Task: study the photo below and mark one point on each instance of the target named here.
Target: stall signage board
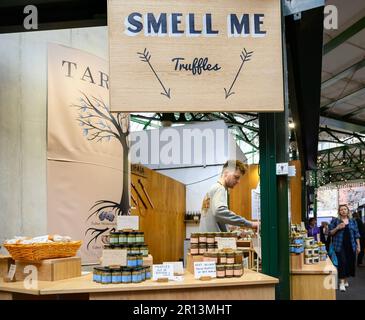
(205, 269)
(227, 243)
(112, 257)
(188, 55)
(161, 271)
(128, 222)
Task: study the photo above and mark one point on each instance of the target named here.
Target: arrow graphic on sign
(245, 56)
(146, 57)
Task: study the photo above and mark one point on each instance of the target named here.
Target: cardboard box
(296, 261)
(190, 259)
(5, 262)
(148, 261)
(51, 269)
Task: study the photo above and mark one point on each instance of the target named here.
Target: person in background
(324, 234)
(346, 242)
(215, 213)
(360, 226)
(313, 230)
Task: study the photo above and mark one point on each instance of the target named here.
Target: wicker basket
(41, 251)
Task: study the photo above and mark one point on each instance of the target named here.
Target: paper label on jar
(227, 243)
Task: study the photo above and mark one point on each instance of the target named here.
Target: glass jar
(97, 275)
(216, 236)
(126, 275)
(114, 238)
(123, 238)
(116, 276)
(308, 251)
(309, 241)
(210, 238)
(292, 248)
(229, 270)
(106, 276)
(221, 271)
(139, 237)
(194, 238)
(202, 248)
(139, 259)
(148, 272)
(211, 247)
(237, 270)
(143, 248)
(194, 249)
(238, 257)
(315, 249)
(131, 238)
(136, 275)
(222, 258)
(202, 238)
(230, 258)
(131, 260)
(315, 259)
(135, 249)
(308, 260)
(210, 256)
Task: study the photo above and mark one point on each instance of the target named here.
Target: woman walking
(345, 239)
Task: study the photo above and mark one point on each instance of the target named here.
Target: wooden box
(5, 262)
(51, 269)
(296, 261)
(244, 244)
(148, 261)
(190, 259)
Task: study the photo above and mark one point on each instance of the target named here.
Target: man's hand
(341, 226)
(255, 225)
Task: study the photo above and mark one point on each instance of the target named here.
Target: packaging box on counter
(148, 261)
(190, 259)
(296, 261)
(5, 262)
(51, 269)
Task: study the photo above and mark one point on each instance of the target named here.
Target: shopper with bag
(346, 244)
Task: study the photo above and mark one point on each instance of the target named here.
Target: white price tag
(11, 272)
(114, 258)
(128, 222)
(227, 243)
(162, 271)
(205, 269)
(292, 171)
(282, 168)
(178, 267)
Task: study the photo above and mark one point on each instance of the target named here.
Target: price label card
(128, 222)
(11, 272)
(227, 243)
(205, 269)
(114, 258)
(162, 271)
(178, 267)
(282, 168)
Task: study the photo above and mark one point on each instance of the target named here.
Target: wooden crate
(296, 261)
(244, 244)
(51, 269)
(190, 259)
(5, 262)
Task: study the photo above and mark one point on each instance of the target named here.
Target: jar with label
(298, 240)
(315, 259)
(123, 238)
(143, 273)
(298, 248)
(323, 255)
(131, 260)
(194, 249)
(308, 241)
(114, 238)
(136, 275)
(202, 238)
(139, 259)
(210, 247)
(139, 237)
(230, 257)
(315, 249)
(292, 248)
(106, 276)
(202, 248)
(148, 273)
(222, 258)
(221, 271)
(194, 238)
(143, 248)
(116, 275)
(238, 257)
(210, 238)
(229, 270)
(216, 236)
(131, 238)
(135, 249)
(237, 270)
(97, 275)
(126, 275)
(308, 260)
(308, 251)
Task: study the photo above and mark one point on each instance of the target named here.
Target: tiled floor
(356, 290)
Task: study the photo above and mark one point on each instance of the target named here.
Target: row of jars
(131, 248)
(121, 275)
(229, 270)
(296, 248)
(210, 237)
(201, 248)
(234, 257)
(133, 237)
(315, 249)
(134, 260)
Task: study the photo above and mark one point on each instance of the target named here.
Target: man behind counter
(215, 213)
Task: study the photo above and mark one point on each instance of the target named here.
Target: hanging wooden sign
(188, 55)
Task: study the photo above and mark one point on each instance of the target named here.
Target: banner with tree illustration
(87, 151)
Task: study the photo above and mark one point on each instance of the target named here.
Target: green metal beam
(344, 36)
(343, 74)
(357, 92)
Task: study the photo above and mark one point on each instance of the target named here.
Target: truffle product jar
(194, 249)
(114, 238)
(211, 247)
(116, 276)
(202, 248)
(229, 270)
(221, 271)
(148, 272)
(106, 276)
(230, 258)
(139, 260)
(203, 238)
(315, 259)
(238, 257)
(139, 237)
(123, 238)
(222, 258)
(315, 249)
(308, 260)
(194, 238)
(308, 251)
(211, 256)
(136, 275)
(126, 275)
(210, 238)
(131, 260)
(143, 248)
(237, 270)
(97, 275)
(143, 273)
(135, 249)
(131, 238)
(308, 241)
(292, 248)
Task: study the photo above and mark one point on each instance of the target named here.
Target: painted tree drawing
(100, 125)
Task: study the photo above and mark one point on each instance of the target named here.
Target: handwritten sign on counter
(160, 271)
(227, 243)
(205, 269)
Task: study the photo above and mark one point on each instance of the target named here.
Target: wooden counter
(251, 285)
(314, 282)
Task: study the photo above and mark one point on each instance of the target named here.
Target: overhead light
(291, 125)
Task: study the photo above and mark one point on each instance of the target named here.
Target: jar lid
(115, 233)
